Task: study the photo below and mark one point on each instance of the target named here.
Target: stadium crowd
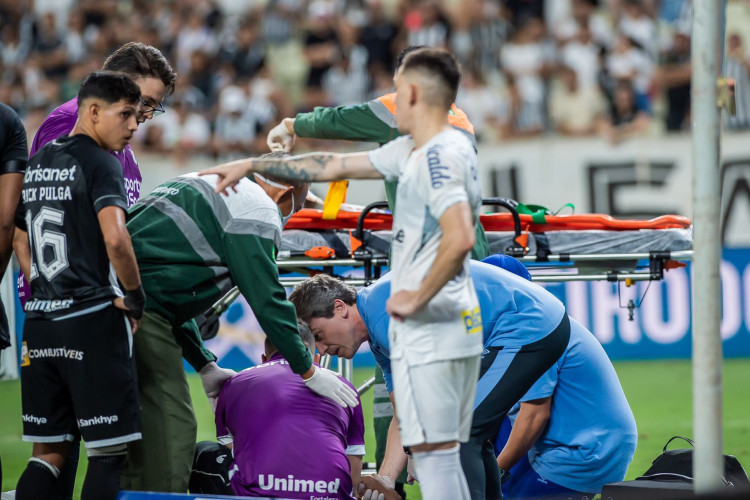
(623, 66)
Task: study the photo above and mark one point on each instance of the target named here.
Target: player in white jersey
(436, 339)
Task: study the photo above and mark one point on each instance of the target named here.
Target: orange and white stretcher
(555, 248)
(570, 247)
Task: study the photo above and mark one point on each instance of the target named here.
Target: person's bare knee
(52, 453)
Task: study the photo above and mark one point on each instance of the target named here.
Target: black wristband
(504, 475)
(135, 300)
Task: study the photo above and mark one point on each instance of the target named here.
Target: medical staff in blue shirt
(573, 432)
(525, 330)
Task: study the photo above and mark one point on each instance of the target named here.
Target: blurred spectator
(182, 132)
(50, 48)
(203, 76)
(627, 118)
(279, 20)
(558, 15)
(737, 66)
(382, 82)
(190, 134)
(584, 13)
(519, 117)
(238, 127)
(528, 60)
(75, 41)
(574, 108)
(247, 51)
(347, 81)
(321, 50)
(195, 35)
(189, 94)
(489, 29)
(523, 10)
(638, 26)
(482, 103)
(378, 37)
(673, 76)
(14, 50)
(582, 55)
(628, 62)
(427, 25)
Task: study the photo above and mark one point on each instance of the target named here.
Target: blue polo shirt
(591, 436)
(515, 311)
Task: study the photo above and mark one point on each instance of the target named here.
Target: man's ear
(316, 358)
(340, 307)
(413, 91)
(281, 194)
(263, 358)
(95, 111)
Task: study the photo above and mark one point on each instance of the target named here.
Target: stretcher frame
(553, 267)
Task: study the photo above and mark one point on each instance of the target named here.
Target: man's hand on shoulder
(213, 377)
(229, 174)
(327, 383)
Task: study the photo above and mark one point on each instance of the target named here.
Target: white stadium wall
(639, 178)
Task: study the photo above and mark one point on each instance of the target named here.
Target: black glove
(135, 301)
(208, 324)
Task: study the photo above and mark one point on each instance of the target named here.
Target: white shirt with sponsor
(431, 179)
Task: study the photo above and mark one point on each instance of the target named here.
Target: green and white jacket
(194, 245)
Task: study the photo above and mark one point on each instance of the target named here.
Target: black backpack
(677, 465)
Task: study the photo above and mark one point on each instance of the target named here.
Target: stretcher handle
(511, 206)
(360, 232)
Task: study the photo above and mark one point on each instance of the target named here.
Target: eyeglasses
(148, 108)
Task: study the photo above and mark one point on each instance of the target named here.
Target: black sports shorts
(78, 377)
(212, 464)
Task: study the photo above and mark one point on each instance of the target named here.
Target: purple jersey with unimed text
(59, 123)
(288, 441)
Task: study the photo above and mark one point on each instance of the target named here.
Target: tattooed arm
(312, 167)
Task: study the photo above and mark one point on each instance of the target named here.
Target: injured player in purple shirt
(287, 442)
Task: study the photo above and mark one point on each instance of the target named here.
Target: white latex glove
(411, 471)
(327, 383)
(213, 377)
(279, 138)
(371, 494)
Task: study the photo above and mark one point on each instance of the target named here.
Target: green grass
(659, 393)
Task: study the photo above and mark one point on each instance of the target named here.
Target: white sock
(440, 475)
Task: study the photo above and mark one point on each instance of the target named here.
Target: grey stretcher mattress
(557, 242)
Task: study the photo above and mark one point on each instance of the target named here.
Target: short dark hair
(313, 298)
(144, 61)
(408, 50)
(305, 335)
(440, 66)
(110, 87)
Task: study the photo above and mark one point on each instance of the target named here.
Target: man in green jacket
(372, 121)
(193, 246)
